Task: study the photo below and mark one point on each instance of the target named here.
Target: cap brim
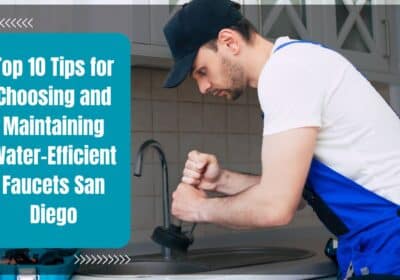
(179, 71)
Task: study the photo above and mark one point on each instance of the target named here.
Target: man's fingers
(192, 166)
(200, 159)
(191, 173)
(190, 181)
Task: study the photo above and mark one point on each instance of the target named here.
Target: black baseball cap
(195, 24)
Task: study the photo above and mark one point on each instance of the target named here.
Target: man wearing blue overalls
(328, 136)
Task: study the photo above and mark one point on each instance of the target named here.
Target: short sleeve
(291, 95)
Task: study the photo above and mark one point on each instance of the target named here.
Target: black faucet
(169, 236)
(165, 188)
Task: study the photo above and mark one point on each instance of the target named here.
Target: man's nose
(204, 85)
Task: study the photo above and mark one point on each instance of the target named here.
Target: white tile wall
(143, 216)
(241, 167)
(137, 139)
(214, 118)
(383, 90)
(141, 83)
(255, 120)
(238, 148)
(188, 91)
(143, 185)
(216, 144)
(142, 119)
(138, 235)
(255, 168)
(213, 99)
(252, 97)
(190, 116)
(165, 116)
(182, 120)
(242, 99)
(157, 91)
(190, 141)
(255, 148)
(238, 118)
(170, 145)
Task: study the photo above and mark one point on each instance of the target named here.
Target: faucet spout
(165, 188)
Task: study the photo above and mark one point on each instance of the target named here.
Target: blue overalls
(367, 226)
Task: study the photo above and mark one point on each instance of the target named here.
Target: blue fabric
(296, 42)
(374, 237)
(372, 244)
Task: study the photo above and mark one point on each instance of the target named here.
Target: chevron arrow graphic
(101, 259)
(116, 259)
(24, 22)
(88, 259)
(16, 23)
(84, 260)
(98, 259)
(30, 22)
(13, 23)
(128, 259)
(77, 259)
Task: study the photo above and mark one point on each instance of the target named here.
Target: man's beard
(236, 77)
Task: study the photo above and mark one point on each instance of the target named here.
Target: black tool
(173, 237)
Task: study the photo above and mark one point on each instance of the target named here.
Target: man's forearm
(231, 182)
(253, 208)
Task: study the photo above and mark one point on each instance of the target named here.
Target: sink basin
(231, 257)
(201, 260)
(143, 267)
(238, 257)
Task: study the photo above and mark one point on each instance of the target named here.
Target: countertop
(311, 238)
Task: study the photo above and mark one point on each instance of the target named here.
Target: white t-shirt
(306, 85)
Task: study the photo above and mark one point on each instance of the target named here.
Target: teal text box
(102, 220)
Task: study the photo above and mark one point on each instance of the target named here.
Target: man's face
(216, 74)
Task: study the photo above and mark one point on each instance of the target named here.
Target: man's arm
(203, 171)
(286, 159)
(231, 182)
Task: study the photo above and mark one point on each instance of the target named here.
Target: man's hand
(202, 171)
(187, 203)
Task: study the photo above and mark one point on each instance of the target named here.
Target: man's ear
(229, 39)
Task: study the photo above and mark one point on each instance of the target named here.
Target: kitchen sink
(143, 267)
(237, 257)
(200, 260)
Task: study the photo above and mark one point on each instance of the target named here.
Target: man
(324, 127)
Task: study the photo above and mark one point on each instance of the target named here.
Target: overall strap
(296, 42)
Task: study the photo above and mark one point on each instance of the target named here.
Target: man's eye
(202, 73)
